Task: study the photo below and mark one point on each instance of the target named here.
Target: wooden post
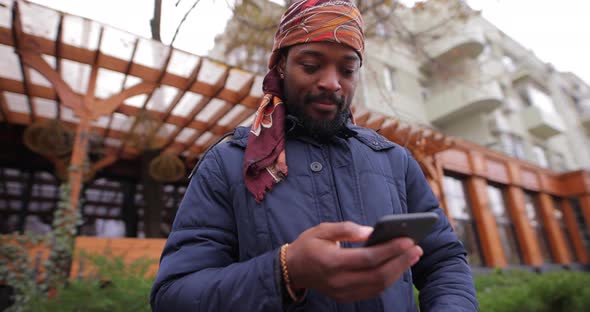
(569, 217)
(129, 211)
(487, 229)
(585, 206)
(78, 161)
(153, 197)
(555, 235)
(529, 246)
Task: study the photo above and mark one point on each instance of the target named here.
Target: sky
(556, 31)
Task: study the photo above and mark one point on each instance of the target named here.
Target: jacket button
(316, 166)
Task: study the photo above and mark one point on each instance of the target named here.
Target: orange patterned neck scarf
(304, 21)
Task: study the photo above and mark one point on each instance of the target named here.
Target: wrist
(296, 292)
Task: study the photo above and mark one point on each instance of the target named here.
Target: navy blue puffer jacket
(222, 253)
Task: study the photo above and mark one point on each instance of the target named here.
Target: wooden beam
(197, 109)
(73, 53)
(58, 49)
(361, 117)
(78, 158)
(191, 80)
(487, 228)
(158, 81)
(569, 217)
(64, 91)
(89, 97)
(104, 162)
(212, 122)
(220, 130)
(126, 73)
(17, 32)
(376, 123)
(529, 245)
(556, 240)
(4, 111)
(158, 84)
(108, 106)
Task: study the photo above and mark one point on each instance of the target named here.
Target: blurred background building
(443, 65)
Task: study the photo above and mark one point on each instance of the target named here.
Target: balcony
(456, 45)
(526, 73)
(584, 107)
(541, 123)
(463, 100)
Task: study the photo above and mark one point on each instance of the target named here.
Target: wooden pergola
(102, 82)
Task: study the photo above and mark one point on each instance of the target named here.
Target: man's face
(320, 79)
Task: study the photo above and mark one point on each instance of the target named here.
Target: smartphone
(413, 225)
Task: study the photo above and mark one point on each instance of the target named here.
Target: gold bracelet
(283, 256)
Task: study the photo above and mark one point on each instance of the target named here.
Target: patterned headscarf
(305, 21)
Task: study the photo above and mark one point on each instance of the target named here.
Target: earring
(282, 75)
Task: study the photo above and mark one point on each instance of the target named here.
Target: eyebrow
(348, 57)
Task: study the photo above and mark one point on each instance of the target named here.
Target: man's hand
(315, 260)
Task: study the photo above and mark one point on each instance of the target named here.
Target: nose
(329, 80)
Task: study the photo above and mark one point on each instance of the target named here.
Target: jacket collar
(366, 136)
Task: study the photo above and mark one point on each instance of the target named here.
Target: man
(274, 218)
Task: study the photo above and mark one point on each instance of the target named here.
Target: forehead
(331, 50)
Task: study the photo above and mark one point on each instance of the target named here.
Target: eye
(310, 68)
(348, 71)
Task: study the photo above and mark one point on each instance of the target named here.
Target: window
(389, 78)
(540, 156)
(505, 227)
(513, 145)
(567, 232)
(509, 63)
(531, 208)
(381, 30)
(424, 90)
(558, 161)
(460, 212)
(584, 230)
(533, 96)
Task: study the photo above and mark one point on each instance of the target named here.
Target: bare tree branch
(183, 20)
(155, 21)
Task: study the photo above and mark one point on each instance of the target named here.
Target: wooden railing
(129, 249)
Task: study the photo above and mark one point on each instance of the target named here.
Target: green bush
(527, 291)
(114, 287)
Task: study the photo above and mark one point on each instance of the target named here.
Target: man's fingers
(343, 231)
(378, 278)
(371, 257)
(403, 262)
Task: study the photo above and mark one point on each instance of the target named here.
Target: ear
(282, 64)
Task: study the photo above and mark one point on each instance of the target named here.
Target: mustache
(326, 97)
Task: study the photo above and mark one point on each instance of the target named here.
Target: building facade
(455, 71)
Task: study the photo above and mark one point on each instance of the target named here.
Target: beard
(320, 129)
